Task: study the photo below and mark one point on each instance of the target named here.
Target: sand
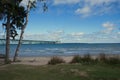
(44, 60)
(39, 60)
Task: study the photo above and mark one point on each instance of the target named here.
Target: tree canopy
(15, 17)
(16, 13)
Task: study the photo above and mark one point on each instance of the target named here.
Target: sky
(75, 21)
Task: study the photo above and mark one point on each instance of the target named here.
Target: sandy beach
(44, 60)
(39, 60)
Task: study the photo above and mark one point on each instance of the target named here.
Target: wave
(65, 49)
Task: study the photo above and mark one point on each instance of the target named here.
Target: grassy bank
(60, 72)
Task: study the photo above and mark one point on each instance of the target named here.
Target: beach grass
(100, 59)
(56, 60)
(60, 72)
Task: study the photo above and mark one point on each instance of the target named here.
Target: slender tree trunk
(20, 40)
(7, 40)
(18, 46)
(22, 32)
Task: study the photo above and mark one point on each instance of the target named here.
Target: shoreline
(43, 60)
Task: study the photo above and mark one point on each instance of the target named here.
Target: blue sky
(76, 21)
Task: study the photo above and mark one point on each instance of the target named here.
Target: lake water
(66, 49)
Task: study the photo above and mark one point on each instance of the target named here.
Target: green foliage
(11, 9)
(56, 60)
(113, 60)
(60, 72)
(86, 59)
(16, 13)
(76, 59)
(102, 59)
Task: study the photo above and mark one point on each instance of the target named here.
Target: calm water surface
(66, 49)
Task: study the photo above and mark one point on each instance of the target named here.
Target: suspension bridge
(3, 41)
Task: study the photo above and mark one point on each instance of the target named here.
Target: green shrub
(113, 60)
(109, 60)
(102, 57)
(56, 60)
(76, 59)
(86, 59)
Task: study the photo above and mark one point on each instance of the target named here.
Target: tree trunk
(22, 32)
(18, 46)
(7, 40)
(20, 40)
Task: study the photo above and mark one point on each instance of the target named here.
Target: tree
(5, 13)
(22, 31)
(13, 17)
(29, 7)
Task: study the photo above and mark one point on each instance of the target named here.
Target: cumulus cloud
(109, 27)
(99, 2)
(56, 35)
(107, 34)
(97, 7)
(57, 2)
(49, 36)
(85, 10)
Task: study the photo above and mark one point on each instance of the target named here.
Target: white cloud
(50, 36)
(57, 2)
(118, 32)
(74, 37)
(56, 35)
(25, 2)
(58, 32)
(97, 7)
(2, 36)
(109, 27)
(30, 36)
(99, 2)
(78, 34)
(106, 35)
(85, 11)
